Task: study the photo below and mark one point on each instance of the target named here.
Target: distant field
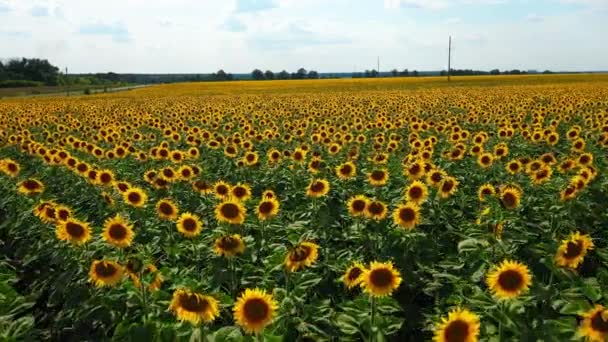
(49, 90)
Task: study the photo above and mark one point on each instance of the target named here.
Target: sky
(201, 36)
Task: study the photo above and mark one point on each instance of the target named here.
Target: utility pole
(449, 57)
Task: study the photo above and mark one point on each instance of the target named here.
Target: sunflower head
(202, 187)
(448, 187)
(317, 188)
(229, 245)
(460, 325)
(241, 192)
(267, 208)
(356, 205)
(221, 189)
(189, 225)
(380, 279)
(230, 211)
(194, 307)
(378, 177)
(166, 209)
(375, 210)
(353, 275)
(510, 197)
(416, 192)
(594, 326)
(407, 215)
(303, 255)
(73, 231)
(254, 310)
(572, 251)
(30, 187)
(509, 279)
(118, 231)
(105, 273)
(135, 197)
(346, 171)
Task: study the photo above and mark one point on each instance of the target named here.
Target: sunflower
(202, 187)
(542, 175)
(378, 177)
(189, 225)
(105, 177)
(485, 160)
(407, 215)
(194, 307)
(415, 170)
(105, 273)
(572, 251)
(267, 194)
(595, 324)
(166, 209)
(229, 245)
(568, 193)
(416, 192)
(434, 177)
(241, 192)
(448, 187)
(118, 232)
(509, 279)
(251, 158)
(484, 191)
(221, 189)
(230, 211)
(381, 279)
(461, 325)
(353, 275)
(346, 171)
(375, 210)
(135, 197)
(356, 205)
(9, 167)
(303, 255)
(267, 208)
(74, 231)
(254, 310)
(514, 166)
(62, 213)
(185, 172)
(510, 197)
(30, 187)
(122, 187)
(317, 188)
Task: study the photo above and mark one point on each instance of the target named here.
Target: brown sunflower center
(105, 269)
(381, 277)
(250, 157)
(11, 167)
(117, 231)
(75, 230)
(598, 323)
(134, 197)
(407, 214)
(510, 280)
(122, 187)
(573, 249)
(447, 186)
(358, 205)
(105, 178)
(256, 310)
(189, 224)
(317, 187)
(31, 184)
(300, 253)
(485, 160)
(50, 212)
(221, 190)
(415, 192)
(266, 207)
(239, 192)
(513, 166)
(63, 214)
(456, 331)
(186, 173)
(376, 208)
(377, 175)
(415, 169)
(354, 273)
(168, 173)
(192, 303)
(346, 170)
(201, 185)
(230, 210)
(509, 199)
(165, 208)
(228, 243)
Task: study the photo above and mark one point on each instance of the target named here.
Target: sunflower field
(325, 210)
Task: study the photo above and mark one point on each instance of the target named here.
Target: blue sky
(167, 36)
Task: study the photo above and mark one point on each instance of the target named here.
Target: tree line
(28, 72)
(301, 74)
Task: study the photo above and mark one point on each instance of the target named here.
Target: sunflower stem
(143, 294)
(372, 324)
